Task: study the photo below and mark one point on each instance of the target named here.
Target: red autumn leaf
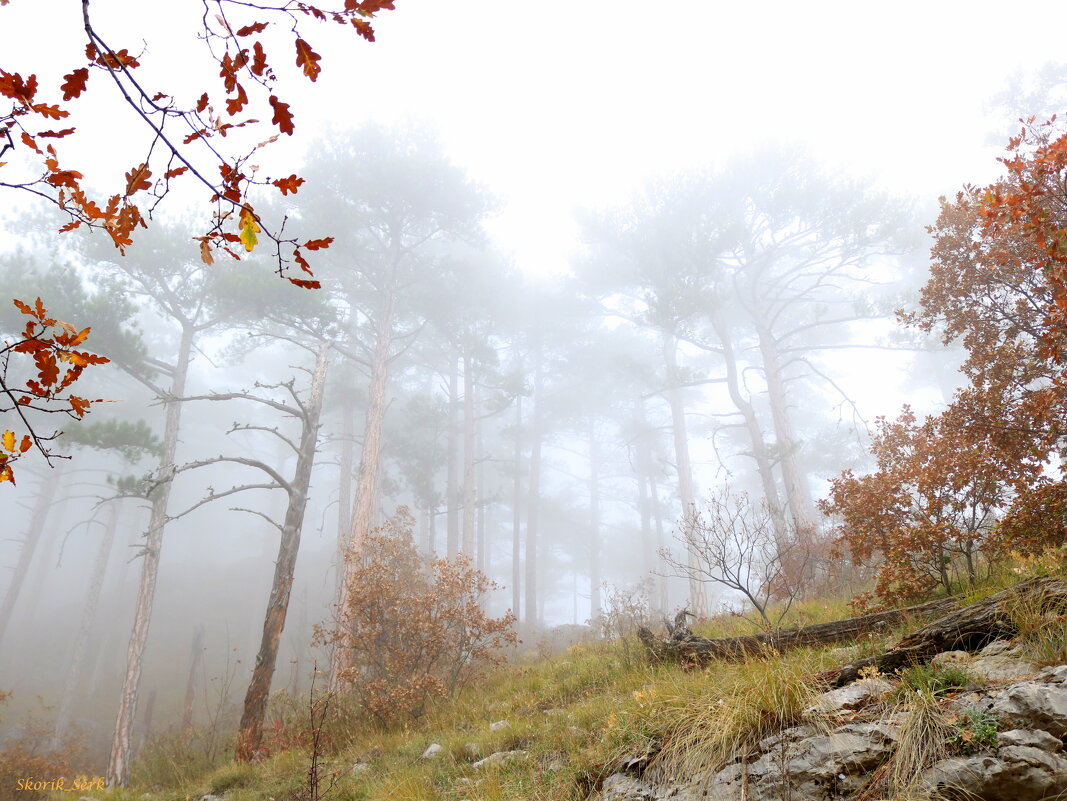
(47, 369)
(235, 104)
(28, 141)
(118, 60)
(364, 29)
(287, 185)
(16, 87)
(56, 134)
(298, 257)
(319, 244)
(70, 226)
(283, 118)
(79, 405)
(305, 284)
(308, 59)
(175, 172)
(74, 83)
(202, 103)
(137, 179)
(259, 59)
(68, 178)
(52, 112)
(255, 27)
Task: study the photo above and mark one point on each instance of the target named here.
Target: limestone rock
(1034, 705)
(950, 659)
(499, 756)
(1018, 772)
(498, 725)
(1030, 737)
(853, 696)
(432, 751)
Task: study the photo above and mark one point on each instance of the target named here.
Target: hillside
(598, 718)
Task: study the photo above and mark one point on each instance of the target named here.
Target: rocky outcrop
(1025, 761)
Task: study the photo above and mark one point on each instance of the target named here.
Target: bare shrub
(626, 609)
(414, 629)
(732, 542)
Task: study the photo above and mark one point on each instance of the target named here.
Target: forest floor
(543, 727)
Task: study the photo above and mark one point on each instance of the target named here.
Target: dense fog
(550, 385)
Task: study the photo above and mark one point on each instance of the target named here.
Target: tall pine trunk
(452, 535)
(369, 461)
(697, 592)
(119, 765)
(85, 627)
(255, 705)
(469, 489)
(760, 453)
(46, 494)
(533, 503)
(516, 516)
(594, 523)
(797, 492)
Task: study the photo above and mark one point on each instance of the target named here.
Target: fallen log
(969, 628)
(683, 646)
(964, 629)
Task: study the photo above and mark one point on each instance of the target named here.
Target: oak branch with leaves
(58, 364)
(181, 140)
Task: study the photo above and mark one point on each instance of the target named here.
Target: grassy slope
(574, 715)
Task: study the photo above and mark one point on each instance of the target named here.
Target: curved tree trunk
(516, 516)
(698, 599)
(119, 764)
(255, 705)
(534, 492)
(45, 495)
(469, 484)
(85, 627)
(367, 481)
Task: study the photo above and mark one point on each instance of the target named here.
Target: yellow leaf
(249, 229)
(8, 440)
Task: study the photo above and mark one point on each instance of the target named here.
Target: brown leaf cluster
(415, 629)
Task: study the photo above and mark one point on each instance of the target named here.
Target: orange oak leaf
(283, 118)
(308, 59)
(74, 83)
(287, 185)
(319, 244)
(137, 179)
(52, 112)
(255, 27)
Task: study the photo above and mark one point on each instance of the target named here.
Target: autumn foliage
(183, 138)
(983, 477)
(415, 629)
(55, 349)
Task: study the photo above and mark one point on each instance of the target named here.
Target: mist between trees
(667, 415)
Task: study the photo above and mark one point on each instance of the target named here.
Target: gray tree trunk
(46, 494)
(452, 534)
(516, 516)
(594, 523)
(366, 500)
(119, 764)
(255, 705)
(469, 490)
(697, 592)
(85, 627)
(533, 503)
